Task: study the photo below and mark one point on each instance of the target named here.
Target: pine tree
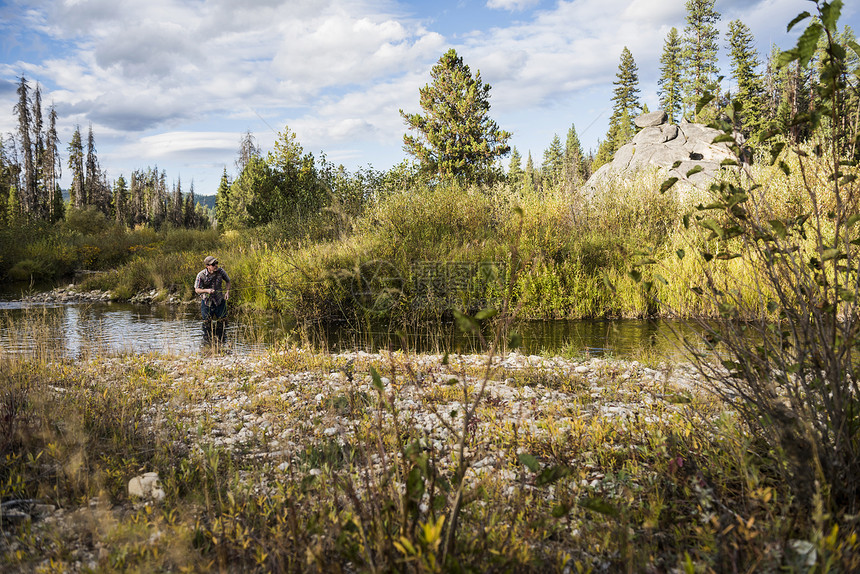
(847, 89)
(574, 160)
(120, 201)
(552, 168)
(53, 169)
(625, 108)
(92, 176)
(27, 191)
(158, 199)
(531, 178)
(604, 150)
(77, 191)
(515, 170)
(700, 56)
(41, 206)
(6, 183)
(135, 199)
(222, 199)
(190, 215)
(287, 184)
(787, 93)
(671, 78)
(176, 215)
(625, 96)
(745, 62)
(456, 137)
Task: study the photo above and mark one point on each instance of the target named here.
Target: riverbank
(295, 460)
(73, 293)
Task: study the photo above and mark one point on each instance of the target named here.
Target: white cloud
(168, 144)
(339, 48)
(149, 74)
(511, 5)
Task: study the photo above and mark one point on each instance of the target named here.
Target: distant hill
(207, 201)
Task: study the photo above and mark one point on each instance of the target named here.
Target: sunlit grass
(265, 459)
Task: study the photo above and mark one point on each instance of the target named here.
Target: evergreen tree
(176, 215)
(700, 56)
(53, 169)
(121, 201)
(157, 183)
(6, 182)
(290, 186)
(105, 194)
(552, 169)
(27, 190)
(41, 206)
(191, 218)
(77, 191)
(222, 199)
(604, 151)
(791, 96)
(574, 160)
(845, 131)
(625, 96)
(625, 108)
(745, 62)
(671, 78)
(14, 214)
(456, 137)
(531, 178)
(92, 176)
(255, 197)
(515, 170)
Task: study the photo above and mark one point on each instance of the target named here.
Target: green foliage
(625, 95)
(750, 94)
(86, 221)
(700, 56)
(783, 350)
(553, 168)
(456, 137)
(671, 79)
(575, 166)
(625, 108)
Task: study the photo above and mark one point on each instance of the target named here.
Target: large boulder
(661, 145)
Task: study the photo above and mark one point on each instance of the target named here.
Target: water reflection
(74, 330)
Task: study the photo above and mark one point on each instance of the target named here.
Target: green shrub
(87, 221)
(781, 266)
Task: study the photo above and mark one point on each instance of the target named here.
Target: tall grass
(421, 252)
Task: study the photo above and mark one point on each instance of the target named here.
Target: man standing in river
(213, 285)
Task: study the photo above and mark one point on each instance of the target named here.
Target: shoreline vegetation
(420, 252)
(295, 460)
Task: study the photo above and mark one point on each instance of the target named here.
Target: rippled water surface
(73, 330)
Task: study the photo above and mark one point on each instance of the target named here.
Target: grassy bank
(421, 251)
(297, 461)
(424, 251)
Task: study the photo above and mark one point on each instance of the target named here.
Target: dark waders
(214, 322)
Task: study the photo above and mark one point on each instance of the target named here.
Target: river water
(76, 329)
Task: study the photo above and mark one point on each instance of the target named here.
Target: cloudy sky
(175, 83)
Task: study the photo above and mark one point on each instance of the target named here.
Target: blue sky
(175, 83)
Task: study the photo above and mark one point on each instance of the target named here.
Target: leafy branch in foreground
(786, 357)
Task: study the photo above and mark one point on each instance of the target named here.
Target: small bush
(87, 221)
